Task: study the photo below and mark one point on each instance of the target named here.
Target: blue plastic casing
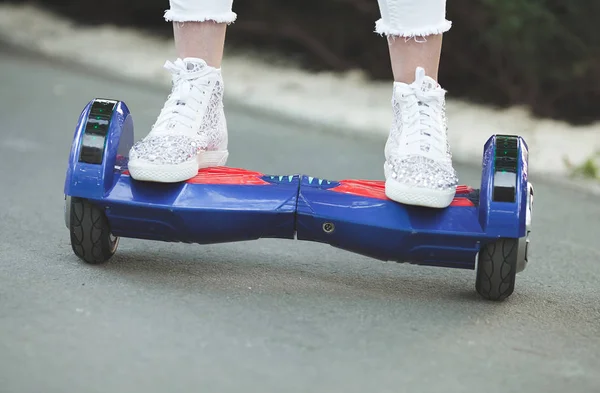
(87, 180)
(497, 218)
(228, 204)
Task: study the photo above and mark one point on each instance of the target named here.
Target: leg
(199, 28)
(407, 55)
(418, 167)
(414, 31)
(202, 40)
(191, 131)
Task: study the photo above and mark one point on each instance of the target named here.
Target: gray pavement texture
(268, 315)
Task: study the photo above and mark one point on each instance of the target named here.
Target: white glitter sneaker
(418, 167)
(190, 132)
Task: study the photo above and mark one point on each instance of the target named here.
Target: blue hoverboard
(485, 229)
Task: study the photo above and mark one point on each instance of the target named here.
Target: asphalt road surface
(269, 315)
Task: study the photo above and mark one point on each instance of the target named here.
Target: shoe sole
(160, 173)
(418, 196)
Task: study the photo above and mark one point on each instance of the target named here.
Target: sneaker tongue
(193, 64)
(428, 84)
(190, 65)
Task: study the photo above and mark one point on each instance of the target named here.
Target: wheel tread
(90, 233)
(497, 269)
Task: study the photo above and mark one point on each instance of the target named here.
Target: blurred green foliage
(544, 54)
(541, 53)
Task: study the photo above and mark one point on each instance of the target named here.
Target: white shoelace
(190, 92)
(421, 115)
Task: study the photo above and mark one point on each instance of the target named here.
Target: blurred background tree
(544, 54)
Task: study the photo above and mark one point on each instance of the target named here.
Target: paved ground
(271, 315)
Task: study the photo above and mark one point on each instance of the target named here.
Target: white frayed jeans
(404, 18)
(200, 11)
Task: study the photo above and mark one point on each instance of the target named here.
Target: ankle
(204, 40)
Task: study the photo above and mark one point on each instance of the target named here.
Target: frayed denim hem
(385, 30)
(228, 17)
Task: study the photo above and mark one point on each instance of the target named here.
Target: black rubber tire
(91, 238)
(497, 269)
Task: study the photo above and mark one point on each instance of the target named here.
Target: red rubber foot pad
(376, 189)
